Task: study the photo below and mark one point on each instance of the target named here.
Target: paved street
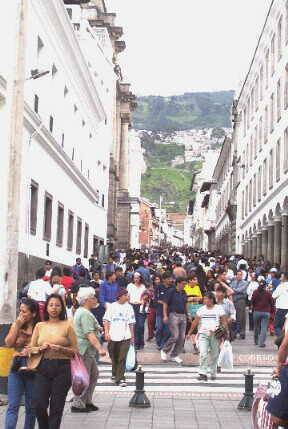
(165, 413)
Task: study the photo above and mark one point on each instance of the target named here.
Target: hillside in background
(173, 183)
(184, 112)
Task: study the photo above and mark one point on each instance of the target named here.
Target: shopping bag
(80, 376)
(131, 359)
(225, 360)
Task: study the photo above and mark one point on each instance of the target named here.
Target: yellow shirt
(193, 291)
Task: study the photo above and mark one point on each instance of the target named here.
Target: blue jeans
(261, 322)
(19, 384)
(162, 331)
(279, 320)
(139, 327)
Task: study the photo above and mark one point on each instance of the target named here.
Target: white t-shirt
(39, 290)
(135, 293)
(280, 294)
(253, 285)
(209, 318)
(120, 316)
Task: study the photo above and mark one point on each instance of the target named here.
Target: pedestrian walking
(88, 333)
(53, 345)
(239, 287)
(208, 318)
(175, 314)
(119, 322)
(39, 290)
(262, 305)
(281, 297)
(20, 381)
(162, 330)
(136, 291)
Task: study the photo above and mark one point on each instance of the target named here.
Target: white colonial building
(67, 134)
(262, 144)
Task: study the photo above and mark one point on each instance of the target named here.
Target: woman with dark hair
(19, 380)
(151, 318)
(262, 305)
(53, 345)
(208, 319)
(137, 299)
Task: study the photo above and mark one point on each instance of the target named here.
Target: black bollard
(247, 400)
(139, 399)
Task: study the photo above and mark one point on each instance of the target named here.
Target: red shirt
(67, 282)
(262, 301)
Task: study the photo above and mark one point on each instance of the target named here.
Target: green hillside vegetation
(182, 112)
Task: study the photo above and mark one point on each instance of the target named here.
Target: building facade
(75, 118)
(262, 145)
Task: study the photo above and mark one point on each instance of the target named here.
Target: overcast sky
(176, 46)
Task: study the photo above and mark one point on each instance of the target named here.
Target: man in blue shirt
(145, 273)
(175, 314)
(162, 330)
(108, 291)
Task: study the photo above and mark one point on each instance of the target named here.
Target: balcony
(75, 2)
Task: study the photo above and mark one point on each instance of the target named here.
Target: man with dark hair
(108, 291)
(77, 268)
(175, 314)
(120, 279)
(39, 290)
(239, 287)
(145, 273)
(162, 330)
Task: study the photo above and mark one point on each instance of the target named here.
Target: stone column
(254, 246)
(250, 247)
(270, 246)
(284, 242)
(259, 244)
(277, 240)
(264, 242)
(124, 155)
(246, 248)
(243, 248)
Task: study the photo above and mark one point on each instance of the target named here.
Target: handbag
(131, 359)
(80, 376)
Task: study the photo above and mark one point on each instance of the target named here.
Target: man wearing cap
(119, 321)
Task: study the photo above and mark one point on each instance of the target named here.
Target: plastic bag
(80, 376)
(131, 359)
(225, 359)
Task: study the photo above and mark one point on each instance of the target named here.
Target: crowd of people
(164, 295)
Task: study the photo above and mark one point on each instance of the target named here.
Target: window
(267, 68)
(277, 159)
(271, 169)
(70, 230)
(260, 133)
(69, 11)
(33, 207)
(79, 236)
(95, 245)
(261, 82)
(36, 103)
(250, 195)
(272, 113)
(259, 182)
(273, 54)
(65, 91)
(73, 154)
(246, 200)
(245, 122)
(86, 240)
(248, 114)
(254, 190)
(265, 177)
(251, 151)
(243, 205)
(279, 39)
(47, 217)
(103, 200)
(54, 71)
(62, 139)
(256, 93)
(256, 142)
(51, 124)
(60, 225)
(40, 46)
(286, 88)
(266, 125)
(279, 100)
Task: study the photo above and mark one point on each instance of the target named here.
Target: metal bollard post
(139, 399)
(247, 400)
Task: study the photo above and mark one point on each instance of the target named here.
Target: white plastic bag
(225, 360)
(131, 359)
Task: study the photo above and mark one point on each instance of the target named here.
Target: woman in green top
(87, 331)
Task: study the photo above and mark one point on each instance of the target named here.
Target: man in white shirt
(39, 290)
(281, 296)
(119, 321)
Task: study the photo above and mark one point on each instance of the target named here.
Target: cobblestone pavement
(165, 413)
